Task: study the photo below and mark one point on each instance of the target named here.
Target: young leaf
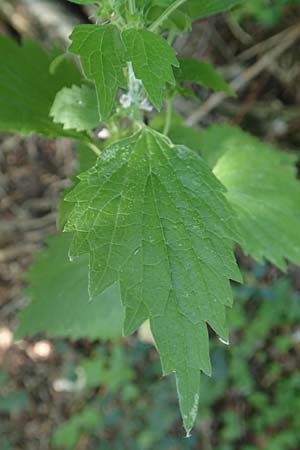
(153, 216)
(27, 89)
(101, 53)
(59, 298)
(76, 108)
(262, 188)
(201, 73)
(152, 60)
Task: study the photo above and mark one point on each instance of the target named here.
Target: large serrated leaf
(101, 53)
(262, 188)
(27, 88)
(86, 158)
(153, 216)
(59, 298)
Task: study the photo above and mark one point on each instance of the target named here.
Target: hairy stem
(160, 20)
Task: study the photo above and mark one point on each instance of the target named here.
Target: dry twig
(292, 35)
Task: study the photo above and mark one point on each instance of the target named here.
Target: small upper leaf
(152, 60)
(203, 74)
(76, 108)
(153, 216)
(101, 53)
(27, 88)
(262, 188)
(59, 298)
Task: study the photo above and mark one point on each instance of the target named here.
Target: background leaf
(76, 108)
(194, 9)
(59, 303)
(68, 434)
(262, 188)
(203, 8)
(201, 73)
(27, 89)
(83, 2)
(178, 133)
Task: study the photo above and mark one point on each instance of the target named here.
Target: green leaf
(101, 53)
(27, 89)
(84, 2)
(86, 158)
(68, 434)
(59, 298)
(112, 371)
(196, 9)
(152, 59)
(152, 216)
(204, 8)
(178, 133)
(14, 402)
(263, 190)
(203, 74)
(76, 108)
(178, 20)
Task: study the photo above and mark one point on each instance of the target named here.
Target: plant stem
(94, 148)
(168, 117)
(171, 37)
(132, 6)
(160, 20)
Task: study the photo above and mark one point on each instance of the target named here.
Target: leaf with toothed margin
(152, 59)
(152, 216)
(86, 158)
(28, 88)
(76, 108)
(262, 188)
(62, 308)
(101, 54)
